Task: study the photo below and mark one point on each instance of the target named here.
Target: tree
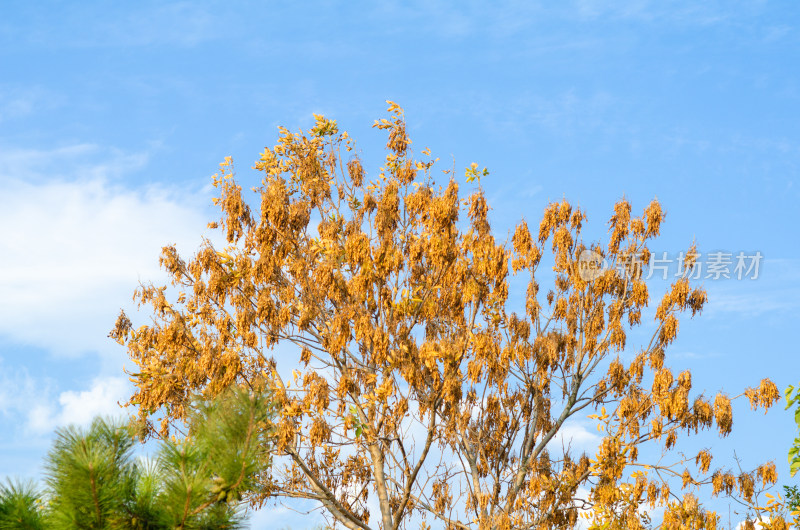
(93, 481)
(20, 507)
(418, 387)
(792, 493)
(793, 400)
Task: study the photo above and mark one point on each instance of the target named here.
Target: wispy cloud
(441, 19)
(776, 291)
(753, 304)
(693, 355)
(181, 24)
(298, 514)
(18, 390)
(684, 13)
(177, 23)
(569, 112)
(18, 102)
(510, 17)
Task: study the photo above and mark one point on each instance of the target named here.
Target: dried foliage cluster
(419, 393)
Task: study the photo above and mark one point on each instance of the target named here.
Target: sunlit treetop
(417, 385)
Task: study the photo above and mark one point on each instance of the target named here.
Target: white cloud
(73, 249)
(757, 524)
(576, 437)
(103, 398)
(30, 404)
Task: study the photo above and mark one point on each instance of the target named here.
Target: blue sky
(113, 116)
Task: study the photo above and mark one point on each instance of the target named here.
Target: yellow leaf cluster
(414, 383)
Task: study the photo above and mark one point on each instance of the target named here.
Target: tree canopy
(410, 382)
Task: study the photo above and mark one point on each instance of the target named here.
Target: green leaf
(794, 467)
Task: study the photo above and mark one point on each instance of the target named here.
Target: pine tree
(20, 506)
(93, 481)
(90, 476)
